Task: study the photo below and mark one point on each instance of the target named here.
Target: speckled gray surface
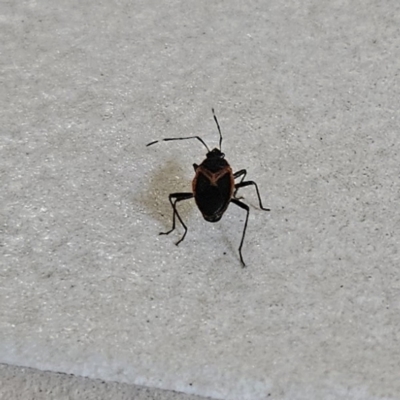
(18, 383)
(307, 98)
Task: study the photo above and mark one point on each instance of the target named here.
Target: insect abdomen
(212, 197)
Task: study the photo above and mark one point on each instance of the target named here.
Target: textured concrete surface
(307, 98)
(18, 383)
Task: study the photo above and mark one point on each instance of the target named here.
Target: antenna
(183, 138)
(219, 129)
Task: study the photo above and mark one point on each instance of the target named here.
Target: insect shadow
(159, 182)
(213, 188)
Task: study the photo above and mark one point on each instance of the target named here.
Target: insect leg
(245, 207)
(248, 183)
(177, 197)
(242, 173)
(239, 174)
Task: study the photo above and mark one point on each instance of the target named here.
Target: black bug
(213, 188)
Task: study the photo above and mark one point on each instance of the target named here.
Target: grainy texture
(18, 383)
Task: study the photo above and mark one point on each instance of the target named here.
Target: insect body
(213, 188)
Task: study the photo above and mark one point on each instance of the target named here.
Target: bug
(213, 188)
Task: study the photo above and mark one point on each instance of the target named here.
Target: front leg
(242, 173)
(173, 199)
(248, 183)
